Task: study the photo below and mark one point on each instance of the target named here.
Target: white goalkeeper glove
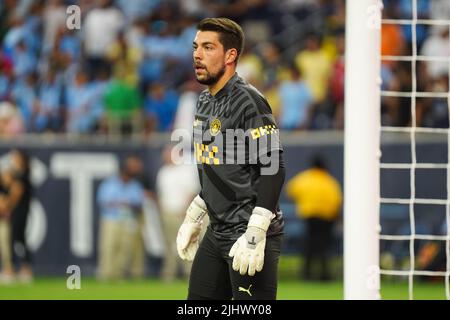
(248, 250)
(188, 234)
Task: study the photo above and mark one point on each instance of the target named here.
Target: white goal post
(361, 149)
(362, 231)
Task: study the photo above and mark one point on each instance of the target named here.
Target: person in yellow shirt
(318, 199)
(315, 63)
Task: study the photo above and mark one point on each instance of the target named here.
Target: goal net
(388, 99)
(424, 65)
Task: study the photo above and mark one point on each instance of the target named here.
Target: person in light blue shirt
(25, 95)
(24, 60)
(47, 113)
(70, 44)
(120, 199)
(137, 9)
(296, 101)
(79, 102)
(5, 85)
(98, 88)
(160, 107)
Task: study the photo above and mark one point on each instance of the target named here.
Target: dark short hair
(230, 33)
(317, 161)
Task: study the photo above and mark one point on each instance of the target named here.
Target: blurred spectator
(22, 7)
(123, 108)
(315, 66)
(125, 59)
(251, 67)
(274, 70)
(318, 199)
(165, 53)
(11, 122)
(439, 10)
(19, 203)
(437, 45)
(79, 105)
(432, 255)
(194, 8)
(296, 103)
(336, 19)
(25, 29)
(6, 76)
(24, 60)
(47, 111)
(272, 95)
(99, 88)
(13, 36)
(160, 107)
(7, 275)
(6, 10)
(54, 17)
(337, 81)
(137, 265)
(65, 55)
(405, 10)
(69, 44)
(120, 199)
(432, 258)
(135, 34)
(187, 102)
(239, 10)
(397, 110)
(393, 42)
(137, 9)
(440, 105)
(101, 28)
(182, 181)
(24, 94)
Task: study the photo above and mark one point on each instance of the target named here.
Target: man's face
(134, 167)
(209, 57)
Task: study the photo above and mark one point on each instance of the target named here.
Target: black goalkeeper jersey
(235, 136)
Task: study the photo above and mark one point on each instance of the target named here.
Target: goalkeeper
(239, 160)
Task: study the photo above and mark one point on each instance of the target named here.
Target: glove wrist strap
(197, 210)
(260, 218)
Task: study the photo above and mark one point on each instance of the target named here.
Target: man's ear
(231, 56)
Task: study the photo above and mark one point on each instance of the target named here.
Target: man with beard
(241, 171)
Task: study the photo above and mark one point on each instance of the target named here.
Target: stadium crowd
(128, 68)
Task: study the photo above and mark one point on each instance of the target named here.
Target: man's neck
(213, 89)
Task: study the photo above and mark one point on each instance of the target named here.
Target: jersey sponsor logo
(215, 127)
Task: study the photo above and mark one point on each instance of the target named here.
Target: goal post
(361, 149)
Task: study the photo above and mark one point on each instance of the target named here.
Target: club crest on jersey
(215, 127)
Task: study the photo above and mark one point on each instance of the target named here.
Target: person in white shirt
(101, 28)
(176, 186)
(437, 45)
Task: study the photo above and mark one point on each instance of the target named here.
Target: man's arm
(270, 186)
(262, 131)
